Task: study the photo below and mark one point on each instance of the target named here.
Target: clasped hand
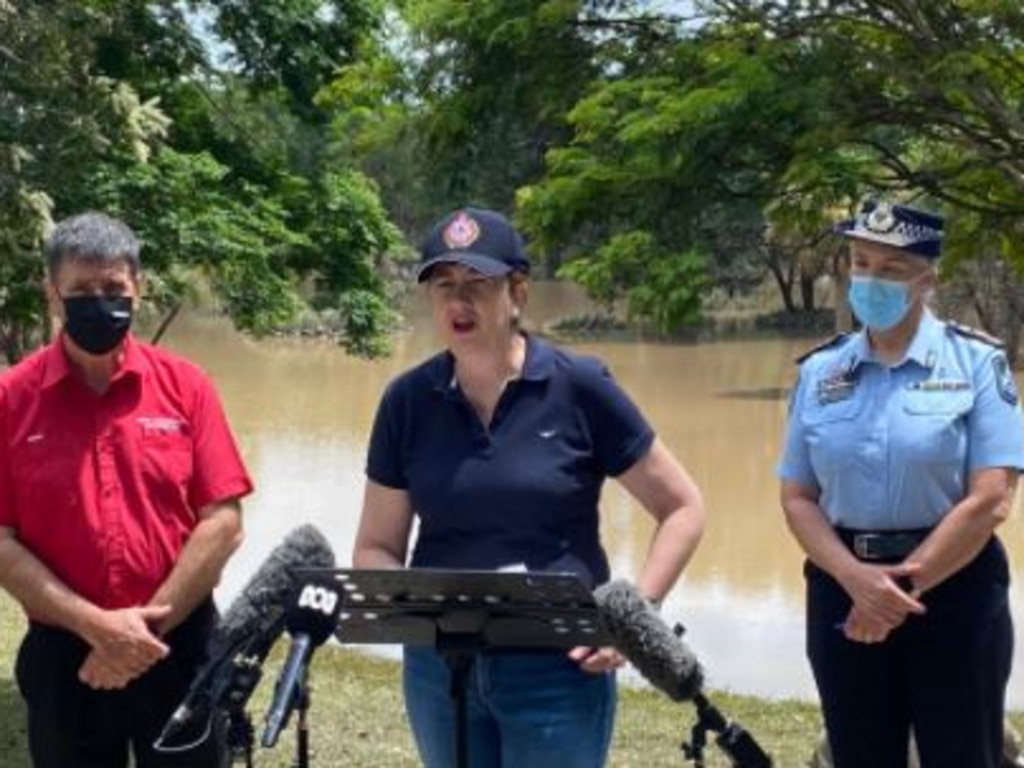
(597, 660)
(879, 604)
(124, 646)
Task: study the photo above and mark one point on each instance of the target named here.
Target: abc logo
(318, 598)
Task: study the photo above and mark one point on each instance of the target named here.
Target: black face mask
(97, 324)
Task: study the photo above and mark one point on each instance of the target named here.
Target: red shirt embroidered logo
(461, 232)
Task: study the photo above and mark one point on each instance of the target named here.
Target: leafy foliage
(660, 289)
(58, 118)
(223, 174)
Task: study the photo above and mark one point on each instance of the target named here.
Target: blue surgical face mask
(878, 303)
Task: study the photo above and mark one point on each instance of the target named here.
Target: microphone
(643, 637)
(243, 638)
(665, 661)
(312, 619)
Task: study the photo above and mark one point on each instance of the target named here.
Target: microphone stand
(239, 736)
(302, 701)
(733, 739)
(462, 613)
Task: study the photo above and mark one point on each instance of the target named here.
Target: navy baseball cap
(480, 239)
(898, 226)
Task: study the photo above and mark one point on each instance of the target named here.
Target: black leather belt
(882, 546)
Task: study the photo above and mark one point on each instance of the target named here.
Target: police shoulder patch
(835, 341)
(973, 333)
(1005, 384)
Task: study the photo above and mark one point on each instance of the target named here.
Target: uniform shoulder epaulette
(833, 342)
(974, 333)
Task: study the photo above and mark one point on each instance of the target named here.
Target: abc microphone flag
(243, 638)
(310, 622)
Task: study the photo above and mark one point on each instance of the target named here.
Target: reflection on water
(764, 393)
(303, 410)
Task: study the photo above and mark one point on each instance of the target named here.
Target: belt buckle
(862, 545)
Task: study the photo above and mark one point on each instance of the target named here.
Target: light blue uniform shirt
(894, 447)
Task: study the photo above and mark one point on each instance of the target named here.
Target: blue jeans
(531, 709)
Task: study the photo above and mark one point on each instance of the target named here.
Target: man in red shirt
(119, 507)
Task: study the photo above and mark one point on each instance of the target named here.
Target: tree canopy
(224, 169)
(282, 149)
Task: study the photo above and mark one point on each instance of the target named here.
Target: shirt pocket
(835, 438)
(816, 413)
(166, 461)
(937, 404)
(47, 471)
(935, 425)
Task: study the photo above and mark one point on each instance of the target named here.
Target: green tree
(924, 102)
(58, 119)
(691, 145)
(660, 289)
(194, 222)
(115, 105)
(293, 45)
(457, 103)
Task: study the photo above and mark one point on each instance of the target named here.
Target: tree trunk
(841, 280)
(783, 280)
(807, 292)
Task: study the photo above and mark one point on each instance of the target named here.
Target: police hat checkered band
(480, 239)
(899, 226)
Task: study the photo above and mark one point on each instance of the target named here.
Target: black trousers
(71, 725)
(943, 674)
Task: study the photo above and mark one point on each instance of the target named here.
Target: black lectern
(461, 613)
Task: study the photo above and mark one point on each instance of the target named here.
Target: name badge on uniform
(940, 385)
(836, 388)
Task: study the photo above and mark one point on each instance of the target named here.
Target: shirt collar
(58, 365)
(923, 349)
(538, 365)
(540, 359)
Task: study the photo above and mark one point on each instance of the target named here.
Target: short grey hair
(93, 238)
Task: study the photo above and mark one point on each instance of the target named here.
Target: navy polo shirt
(523, 492)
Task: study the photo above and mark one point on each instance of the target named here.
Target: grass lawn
(357, 719)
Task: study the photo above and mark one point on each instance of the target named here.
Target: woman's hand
(879, 603)
(597, 660)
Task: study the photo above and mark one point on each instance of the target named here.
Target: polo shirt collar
(540, 359)
(539, 365)
(58, 364)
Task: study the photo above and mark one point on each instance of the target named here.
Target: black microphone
(312, 619)
(243, 638)
(643, 637)
(665, 661)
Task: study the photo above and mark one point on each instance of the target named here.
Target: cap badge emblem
(881, 219)
(461, 232)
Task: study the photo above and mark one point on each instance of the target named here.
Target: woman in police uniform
(902, 453)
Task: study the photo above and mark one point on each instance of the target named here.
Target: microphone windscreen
(268, 593)
(642, 636)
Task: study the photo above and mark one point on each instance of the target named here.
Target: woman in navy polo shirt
(499, 446)
(904, 445)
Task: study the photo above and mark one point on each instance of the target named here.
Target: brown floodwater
(302, 411)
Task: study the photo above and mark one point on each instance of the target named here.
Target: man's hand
(96, 674)
(597, 660)
(123, 646)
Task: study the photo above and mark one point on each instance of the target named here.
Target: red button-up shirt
(105, 489)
